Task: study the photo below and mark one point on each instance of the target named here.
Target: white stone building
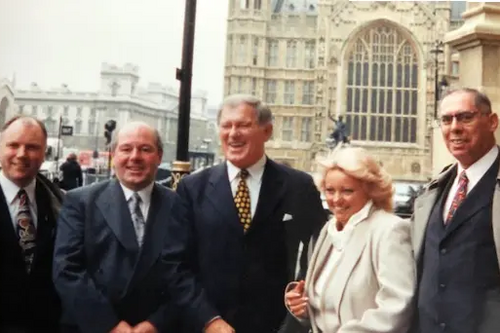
(120, 98)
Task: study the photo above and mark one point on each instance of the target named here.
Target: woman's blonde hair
(358, 163)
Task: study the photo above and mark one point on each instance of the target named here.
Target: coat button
(442, 285)
(442, 326)
(444, 251)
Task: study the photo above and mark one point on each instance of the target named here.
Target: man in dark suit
(250, 217)
(29, 205)
(71, 173)
(108, 261)
(456, 224)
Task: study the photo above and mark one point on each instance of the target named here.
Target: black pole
(436, 51)
(109, 160)
(436, 86)
(181, 166)
(58, 144)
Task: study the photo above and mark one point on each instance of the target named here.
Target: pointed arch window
(382, 87)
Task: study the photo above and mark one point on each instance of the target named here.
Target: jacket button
(442, 286)
(444, 251)
(442, 326)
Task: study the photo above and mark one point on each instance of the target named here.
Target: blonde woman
(361, 276)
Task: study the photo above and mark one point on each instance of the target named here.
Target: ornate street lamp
(181, 165)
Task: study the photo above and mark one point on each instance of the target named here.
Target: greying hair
(481, 101)
(159, 142)
(263, 112)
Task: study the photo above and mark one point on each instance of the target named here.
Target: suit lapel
(318, 257)
(158, 215)
(272, 192)
(349, 260)
(7, 231)
(219, 194)
(46, 224)
(423, 208)
(114, 208)
(496, 217)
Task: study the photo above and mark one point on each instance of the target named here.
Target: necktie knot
(22, 194)
(136, 198)
(244, 174)
(463, 178)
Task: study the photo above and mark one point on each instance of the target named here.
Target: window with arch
(382, 87)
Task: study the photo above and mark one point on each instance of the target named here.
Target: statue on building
(339, 134)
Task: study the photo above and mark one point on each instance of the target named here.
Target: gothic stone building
(368, 61)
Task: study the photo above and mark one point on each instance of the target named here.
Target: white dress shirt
(254, 180)
(10, 191)
(145, 195)
(474, 174)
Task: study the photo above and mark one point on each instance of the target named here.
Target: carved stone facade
(368, 61)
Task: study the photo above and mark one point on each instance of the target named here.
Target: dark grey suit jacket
(100, 272)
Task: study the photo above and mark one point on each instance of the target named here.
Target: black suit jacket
(29, 301)
(100, 272)
(244, 274)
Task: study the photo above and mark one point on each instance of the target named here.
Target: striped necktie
(137, 218)
(460, 195)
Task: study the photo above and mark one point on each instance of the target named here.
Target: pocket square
(287, 217)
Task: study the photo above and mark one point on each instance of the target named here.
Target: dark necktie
(242, 201)
(460, 195)
(137, 217)
(25, 229)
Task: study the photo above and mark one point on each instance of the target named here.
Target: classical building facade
(369, 62)
(119, 98)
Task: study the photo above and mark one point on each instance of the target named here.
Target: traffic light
(109, 127)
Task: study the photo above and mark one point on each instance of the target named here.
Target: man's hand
(122, 327)
(144, 327)
(219, 326)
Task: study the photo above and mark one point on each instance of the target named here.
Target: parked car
(404, 197)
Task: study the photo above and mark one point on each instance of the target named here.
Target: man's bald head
(133, 125)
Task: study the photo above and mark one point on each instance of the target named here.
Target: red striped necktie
(459, 196)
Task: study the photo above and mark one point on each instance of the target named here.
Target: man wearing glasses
(456, 224)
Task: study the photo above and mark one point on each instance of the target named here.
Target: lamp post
(181, 165)
(438, 85)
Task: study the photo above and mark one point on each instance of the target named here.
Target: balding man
(29, 206)
(110, 240)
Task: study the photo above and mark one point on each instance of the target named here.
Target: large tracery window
(382, 85)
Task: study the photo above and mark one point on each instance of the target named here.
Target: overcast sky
(65, 41)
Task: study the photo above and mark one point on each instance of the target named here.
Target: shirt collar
(255, 171)
(11, 190)
(480, 167)
(145, 193)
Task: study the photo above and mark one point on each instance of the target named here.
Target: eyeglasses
(464, 117)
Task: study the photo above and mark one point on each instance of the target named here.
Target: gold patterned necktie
(242, 201)
(459, 196)
(25, 229)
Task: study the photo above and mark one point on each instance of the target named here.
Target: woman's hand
(295, 299)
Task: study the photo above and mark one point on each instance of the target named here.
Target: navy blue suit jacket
(244, 274)
(103, 276)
